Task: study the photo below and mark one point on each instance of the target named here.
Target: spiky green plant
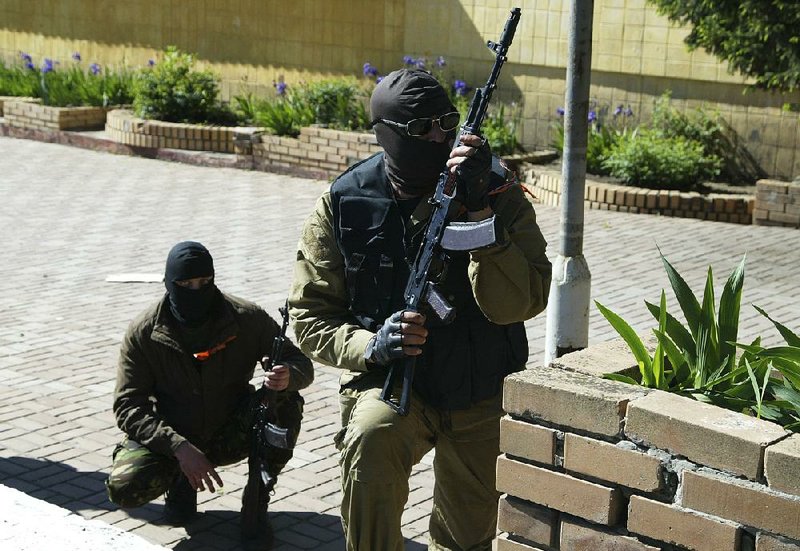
(699, 359)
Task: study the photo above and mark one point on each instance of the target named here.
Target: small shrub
(174, 91)
(700, 361)
(336, 103)
(605, 131)
(76, 86)
(501, 131)
(20, 78)
(647, 158)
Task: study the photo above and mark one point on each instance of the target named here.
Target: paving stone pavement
(71, 217)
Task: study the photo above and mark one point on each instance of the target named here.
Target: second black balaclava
(412, 164)
(187, 260)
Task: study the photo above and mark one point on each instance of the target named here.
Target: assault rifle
(441, 235)
(265, 432)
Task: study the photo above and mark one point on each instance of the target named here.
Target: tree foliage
(758, 38)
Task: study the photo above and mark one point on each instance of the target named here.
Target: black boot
(180, 503)
(263, 538)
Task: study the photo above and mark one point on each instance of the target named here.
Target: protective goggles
(420, 127)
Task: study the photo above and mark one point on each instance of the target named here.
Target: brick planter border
(777, 204)
(34, 116)
(579, 451)
(738, 209)
(124, 127)
(4, 99)
(322, 150)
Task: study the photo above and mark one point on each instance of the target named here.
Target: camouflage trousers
(139, 475)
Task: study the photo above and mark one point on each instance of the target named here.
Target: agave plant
(699, 359)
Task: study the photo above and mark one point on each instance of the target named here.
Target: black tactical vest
(462, 362)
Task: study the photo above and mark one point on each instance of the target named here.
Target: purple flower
(408, 60)
(421, 63)
(460, 88)
(47, 67)
(618, 110)
(25, 57)
(76, 57)
(94, 68)
(369, 70)
(151, 62)
(280, 88)
(378, 79)
(592, 116)
(30, 65)
(629, 112)
(440, 61)
(560, 111)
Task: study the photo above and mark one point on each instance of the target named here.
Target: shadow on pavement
(57, 483)
(293, 530)
(81, 491)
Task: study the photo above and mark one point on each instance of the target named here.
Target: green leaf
(621, 378)
(786, 394)
(725, 377)
(675, 329)
(729, 306)
(685, 296)
(756, 391)
(658, 355)
(791, 338)
(634, 343)
(791, 353)
(675, 357)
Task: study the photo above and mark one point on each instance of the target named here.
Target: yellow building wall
(636, 56)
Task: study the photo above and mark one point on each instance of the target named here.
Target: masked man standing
(183, 395)
(347, 308)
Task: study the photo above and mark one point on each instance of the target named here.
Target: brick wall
(124, 127)
(4, 99)
(26, 114)
(590, 464)
(777, 204)
(546, 185)
(328, 152)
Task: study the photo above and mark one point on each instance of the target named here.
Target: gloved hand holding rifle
(465, 179)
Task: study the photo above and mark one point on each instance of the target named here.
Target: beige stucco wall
(637, 54)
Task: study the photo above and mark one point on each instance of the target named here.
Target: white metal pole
(570, 292)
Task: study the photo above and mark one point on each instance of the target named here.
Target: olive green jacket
(165, 396)
(510, 281)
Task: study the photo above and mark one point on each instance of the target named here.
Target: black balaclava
(187, 260)
(412, 164)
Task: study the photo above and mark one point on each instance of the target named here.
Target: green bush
(75, 86)
(283, 115)
(712, 132)
(699, 360)
(174, 91)
(19, 79)
(647, 158)
(605, 131)
(334, 103)
(501, 131)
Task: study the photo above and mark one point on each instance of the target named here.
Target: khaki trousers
(378, 449)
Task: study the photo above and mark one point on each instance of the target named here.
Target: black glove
(387, 344)
(473, 179)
